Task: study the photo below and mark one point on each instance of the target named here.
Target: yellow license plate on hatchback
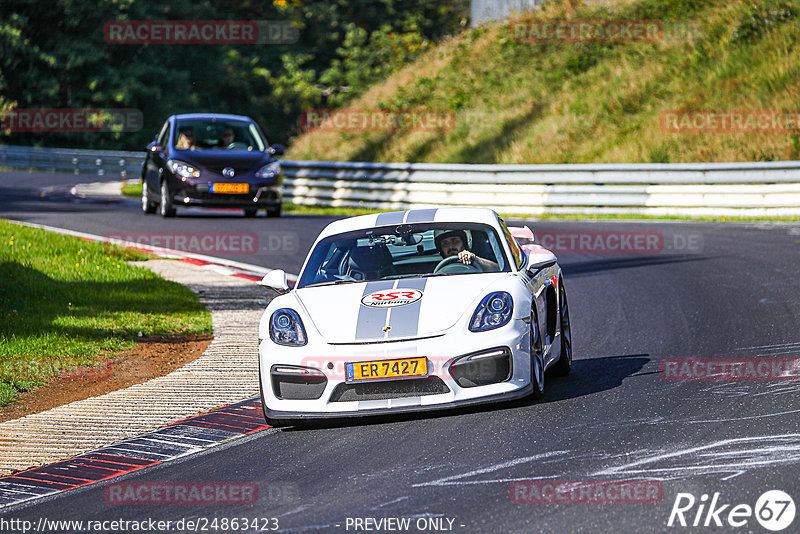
(386, 369)
(233, 189)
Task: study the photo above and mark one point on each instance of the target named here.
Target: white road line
(490, 469)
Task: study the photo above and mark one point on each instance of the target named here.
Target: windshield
(218, 135)
(405, 251)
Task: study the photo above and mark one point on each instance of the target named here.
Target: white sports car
(413, 310)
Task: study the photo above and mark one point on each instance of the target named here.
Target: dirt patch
(152, 357)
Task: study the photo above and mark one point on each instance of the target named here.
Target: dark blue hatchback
(213, 160)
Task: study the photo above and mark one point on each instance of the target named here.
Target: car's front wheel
(148, 206)
(166, 207)
(564, 363)
(274, 212)
(537, 359)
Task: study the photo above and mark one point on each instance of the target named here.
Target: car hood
(339, 315)
(218, 158)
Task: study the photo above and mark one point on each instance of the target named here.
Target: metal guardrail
(96, 162)
(691, 189)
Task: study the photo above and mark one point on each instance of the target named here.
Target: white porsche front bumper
(334, 396)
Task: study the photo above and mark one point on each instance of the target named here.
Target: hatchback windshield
(405, 251)
(218, 135)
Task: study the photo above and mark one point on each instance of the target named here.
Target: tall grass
(518, 102)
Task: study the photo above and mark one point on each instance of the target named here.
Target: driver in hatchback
(454, 242)
(227, 138)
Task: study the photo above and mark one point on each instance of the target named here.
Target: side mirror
(275, 280)
(276, 150)
(538, 258)
(154, 147)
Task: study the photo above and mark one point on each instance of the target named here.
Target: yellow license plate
(383, 369)
(235, 189)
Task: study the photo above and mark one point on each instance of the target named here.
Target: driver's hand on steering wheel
(465, 257)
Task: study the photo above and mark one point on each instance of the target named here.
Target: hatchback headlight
(494, 311)
(286, 328)
(269, 171)
(182, 170)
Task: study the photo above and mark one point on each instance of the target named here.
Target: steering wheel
(456, 267)
(237, 145)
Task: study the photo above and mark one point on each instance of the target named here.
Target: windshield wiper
(333, 283)
(428, 275)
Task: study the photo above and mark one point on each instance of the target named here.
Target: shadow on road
(588, 376)
(575, 269)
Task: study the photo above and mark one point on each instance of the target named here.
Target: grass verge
(132, 190)
(64, 302)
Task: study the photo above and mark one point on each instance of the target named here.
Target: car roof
(447, 214)
(206, 116)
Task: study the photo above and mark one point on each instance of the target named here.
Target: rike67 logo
(774, 510)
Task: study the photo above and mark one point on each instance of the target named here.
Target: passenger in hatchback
(185, 139)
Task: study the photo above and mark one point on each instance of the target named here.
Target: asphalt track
(736, 294)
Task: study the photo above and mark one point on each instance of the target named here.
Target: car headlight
(269, 171)
(494, 311)
(182, 170)
(286, 328)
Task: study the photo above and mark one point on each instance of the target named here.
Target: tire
(537, 359)
(166, 207)
(148, 206)
(250, 212)
(274, 212)
(564, 364)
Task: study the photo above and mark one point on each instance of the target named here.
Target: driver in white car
(454, 242)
